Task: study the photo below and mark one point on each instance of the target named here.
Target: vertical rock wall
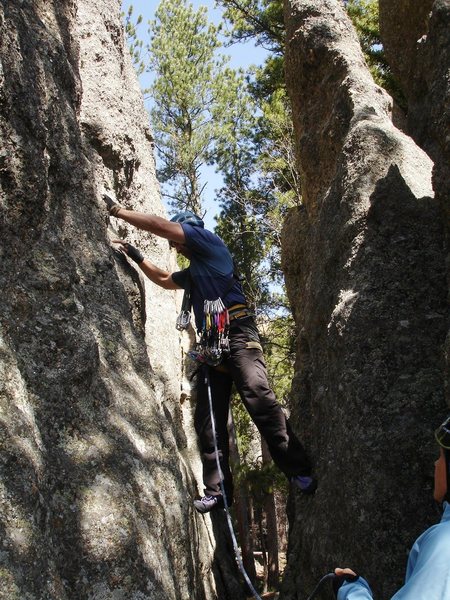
(365, 266)
(424, 72)
(95, 488)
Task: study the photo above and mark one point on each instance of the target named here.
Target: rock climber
(428, 568)
(210, 276)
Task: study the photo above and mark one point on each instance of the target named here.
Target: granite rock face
(424, 72)
(416, 41)
(364, 260)
(404, 26)
(96, 466)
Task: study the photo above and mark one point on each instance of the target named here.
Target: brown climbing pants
(246, 368)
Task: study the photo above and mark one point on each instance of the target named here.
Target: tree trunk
(273, 574)
(241, 508)
(260, 519)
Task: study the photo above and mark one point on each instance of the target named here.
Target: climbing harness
(239, 311)
(237, 552)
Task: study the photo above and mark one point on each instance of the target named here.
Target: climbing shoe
(208, 503)
(307, 485)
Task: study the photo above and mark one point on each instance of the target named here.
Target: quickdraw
(184, 317)
(214, 344)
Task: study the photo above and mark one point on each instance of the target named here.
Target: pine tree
(238, 225)
(259, 20)
(190, 79)
(135, 44)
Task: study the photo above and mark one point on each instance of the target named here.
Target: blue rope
(237, 552)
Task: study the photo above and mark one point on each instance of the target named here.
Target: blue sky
(241, 55)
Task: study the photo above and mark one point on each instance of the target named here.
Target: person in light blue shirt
(428, 568)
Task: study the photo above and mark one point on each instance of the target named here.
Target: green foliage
(279, 349)
(260, 20)
(243, 428)
(242, 234)
(235, 157)
(267, 78)
(277, 186)
(255, 157)
(280, 181)
(260, 478)
(364, 15)
(135, 44)
(190, 81)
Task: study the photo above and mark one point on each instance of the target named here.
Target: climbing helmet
(186, 216)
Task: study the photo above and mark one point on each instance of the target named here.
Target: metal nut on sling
(183, 320)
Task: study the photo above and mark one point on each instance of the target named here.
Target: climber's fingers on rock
(123, 246)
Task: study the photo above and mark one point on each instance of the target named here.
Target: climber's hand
(343, 572)
(130, 251)
(341, 575)
(112, 206)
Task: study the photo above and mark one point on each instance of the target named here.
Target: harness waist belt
(239, 311)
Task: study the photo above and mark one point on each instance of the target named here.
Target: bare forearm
(138, 219)
(153, 223)
(158, 276)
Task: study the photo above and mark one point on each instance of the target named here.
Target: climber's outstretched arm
(153, 223)
(157, 225)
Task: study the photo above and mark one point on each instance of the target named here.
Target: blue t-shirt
(211, 271)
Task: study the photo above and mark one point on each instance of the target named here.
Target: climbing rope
(237, 552)
(319, 585)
